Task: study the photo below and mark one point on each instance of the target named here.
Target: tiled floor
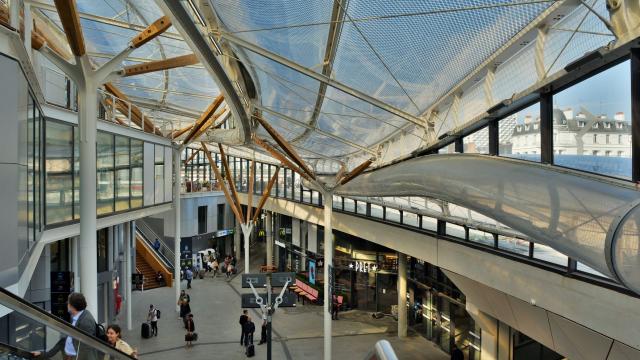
(215, 304)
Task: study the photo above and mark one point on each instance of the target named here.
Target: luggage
(251, 351)
(146, 330)
(201, 274)
(191, 337)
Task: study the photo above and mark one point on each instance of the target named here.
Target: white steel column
(128, 231)
(87, 122)
(75, 256)
(328, 261)
(14, 14)
(246, 233)
(236, 240)
(402, 295)
(177, 166)
(269, 237)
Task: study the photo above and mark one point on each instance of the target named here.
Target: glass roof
(413, 56)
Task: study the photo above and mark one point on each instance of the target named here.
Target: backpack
(101, 333)
(157, 313)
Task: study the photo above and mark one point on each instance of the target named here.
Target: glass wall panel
(545, 253)
(58, 172)
(296, 186)
(122, 189)
(519, 134)
(159, 174)
(410, 219)
(122, 151)
(585, 268)
(105, 177)
(429, 223)
(377, 211)
(477, 143)
(361, 207)
(280, 184)
(455, 230)
(337, 202)
(592, 124)
(288, 184)
(513, 244)
(349, 205)
(480, 236)
(392, 214)
(76, 173)
(137, 184)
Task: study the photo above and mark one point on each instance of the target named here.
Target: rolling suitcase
(145, 330)
(251, 351)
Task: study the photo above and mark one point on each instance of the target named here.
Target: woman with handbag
(191, 334)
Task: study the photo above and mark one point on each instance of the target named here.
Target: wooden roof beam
(219, 177)
(355, 172)
(151, 32)
(232, 185)
(203, 118)
(266, 194)
(136, 114)
(276, 154)
(193, 155)
(288, 149)
(179, 132)
(70, 19)
(160, 65)
(208, 124)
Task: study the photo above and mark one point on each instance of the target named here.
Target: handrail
(155, 253)
(145, 232)
(382, 350)
(14, 351)
(36, 314)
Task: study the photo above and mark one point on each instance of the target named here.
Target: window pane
(122, 189)
(105, 193)
(519, 134)
(584, 268)
(513, 244)
(137, 150)
(477, 143)
(480, 237)
(349, 205)
(591, 124)
(546, 253)
(429, 223)
(449, 149)
(337, 202)
(104, 151)
(159, 174)
(296, 186)
(455, 230)
(76, 173)
(136, 187)
(58, 172)
(376, 211)
(122, 151)
(392, 214)
(361, 207)
(410, 219)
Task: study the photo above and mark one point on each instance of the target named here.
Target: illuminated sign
(363, 267)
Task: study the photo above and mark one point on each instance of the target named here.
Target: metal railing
(165, 254)
(36, 314)
(382, 350)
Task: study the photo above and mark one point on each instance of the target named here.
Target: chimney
(619, 116)
(527, 119)
(568, 113)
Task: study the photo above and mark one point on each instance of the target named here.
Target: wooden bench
(305, 291)
(268, 268)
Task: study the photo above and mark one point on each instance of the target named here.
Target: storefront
(437, 310)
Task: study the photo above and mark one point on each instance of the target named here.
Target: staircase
(149, 274)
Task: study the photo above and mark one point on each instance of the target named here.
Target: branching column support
(328, 268)
(177, 167)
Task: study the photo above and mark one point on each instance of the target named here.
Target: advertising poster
(312, 272)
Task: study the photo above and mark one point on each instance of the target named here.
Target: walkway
(215, 304)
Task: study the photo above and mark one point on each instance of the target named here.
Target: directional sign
(258, 280)
(279, 279)
(250, 301)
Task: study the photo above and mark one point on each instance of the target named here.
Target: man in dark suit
(81, 318)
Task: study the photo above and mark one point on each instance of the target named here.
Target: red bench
(305, 291)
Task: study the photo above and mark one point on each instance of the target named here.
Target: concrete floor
(297, 332)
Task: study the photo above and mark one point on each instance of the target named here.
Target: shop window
(202, 219)
(603, 98)
(523, 144)
(103, 250)
(220, 214)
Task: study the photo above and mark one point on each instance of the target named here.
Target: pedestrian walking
(114, 337)
(189, 277)
(229, 271)
(185, 310)
(215, 267)
(82, 319)
(152, 318)
(242, 321)
(191, 334)
(263, 332)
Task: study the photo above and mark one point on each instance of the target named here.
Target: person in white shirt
(152, 318)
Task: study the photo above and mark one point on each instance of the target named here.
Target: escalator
(55, 329)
